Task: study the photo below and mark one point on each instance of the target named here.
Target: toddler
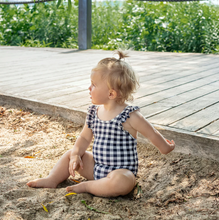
(112, 167)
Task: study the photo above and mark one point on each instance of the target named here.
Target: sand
(173, 186)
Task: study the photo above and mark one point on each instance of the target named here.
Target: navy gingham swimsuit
(114, 148)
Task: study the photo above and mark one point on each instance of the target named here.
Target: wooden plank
(80, 102)
(47, 85)
(54, 94)
(216, 134)
(199, 120)
(44, 73)
(64, 97)
(170, 104)
(212, 129)
(191, 61)
(183, 89)
(41, 68)
(63, 60)
(84, 107)
(165, 76)
(58, 89)
(172, 115)
(37, 81)
(83, 85)
(48, 63)
(146, 89)
(170, 74)
(78, 95)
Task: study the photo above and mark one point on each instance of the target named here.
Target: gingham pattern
(114, 148)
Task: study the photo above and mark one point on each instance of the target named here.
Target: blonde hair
(119, 76)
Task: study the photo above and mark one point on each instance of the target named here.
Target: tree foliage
(144, 26)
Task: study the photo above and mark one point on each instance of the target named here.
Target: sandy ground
(174, 186)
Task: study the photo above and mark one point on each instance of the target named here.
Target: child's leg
(117, 182)
(60, 171)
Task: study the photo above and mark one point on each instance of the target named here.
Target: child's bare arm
(139, 123)
(82, 143)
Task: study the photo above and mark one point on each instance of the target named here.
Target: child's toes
(69, 188)
(32, 184)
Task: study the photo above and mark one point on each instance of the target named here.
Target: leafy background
(143, 26)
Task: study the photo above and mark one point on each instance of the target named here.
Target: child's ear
(112, 94)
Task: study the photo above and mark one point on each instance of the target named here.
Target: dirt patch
(174, 186)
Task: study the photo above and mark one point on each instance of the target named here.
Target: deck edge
(71, 114)
(200, 145)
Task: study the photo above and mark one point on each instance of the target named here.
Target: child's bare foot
(79, 188)
(42, 183)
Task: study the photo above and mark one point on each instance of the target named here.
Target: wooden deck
(177, 91)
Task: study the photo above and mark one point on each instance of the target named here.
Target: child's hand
(74, 164)
(171, 144)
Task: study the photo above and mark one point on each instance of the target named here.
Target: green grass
(144, 26)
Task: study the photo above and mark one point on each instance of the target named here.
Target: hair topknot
(122, 54)
(119, 76)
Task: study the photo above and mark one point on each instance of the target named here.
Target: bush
(158, 26)
(39, 25)
(145, 26)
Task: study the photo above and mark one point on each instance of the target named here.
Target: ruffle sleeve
(91, 111)
(125, 114)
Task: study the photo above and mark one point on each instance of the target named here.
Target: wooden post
(84, 24)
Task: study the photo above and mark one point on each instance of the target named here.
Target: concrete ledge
(200, 145)
(44, 108)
